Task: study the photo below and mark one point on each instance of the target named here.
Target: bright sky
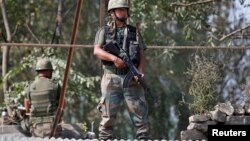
(241, 12)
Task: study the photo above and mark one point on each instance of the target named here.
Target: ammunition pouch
(134, 52)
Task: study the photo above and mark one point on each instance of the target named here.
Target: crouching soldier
(41, 102)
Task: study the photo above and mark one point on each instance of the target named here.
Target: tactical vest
(132, 46)
(43, 97)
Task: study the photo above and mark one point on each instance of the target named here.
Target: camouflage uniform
(112, 89)
(43, 95)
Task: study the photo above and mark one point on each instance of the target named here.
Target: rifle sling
(125, 38)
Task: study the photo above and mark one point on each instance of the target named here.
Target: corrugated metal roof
(21, 137)
(71, 132)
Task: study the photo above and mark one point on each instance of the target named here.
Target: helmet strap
(122, 19)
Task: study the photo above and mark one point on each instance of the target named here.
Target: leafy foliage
(205, 75)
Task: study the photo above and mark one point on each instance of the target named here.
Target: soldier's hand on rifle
(141, 76)
(118, 62)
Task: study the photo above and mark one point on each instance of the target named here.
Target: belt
(113, 70)
(42, 119)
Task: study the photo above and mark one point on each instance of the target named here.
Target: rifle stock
(112, 48)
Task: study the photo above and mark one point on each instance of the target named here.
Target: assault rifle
(113, 48)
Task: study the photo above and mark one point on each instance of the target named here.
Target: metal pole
(45, 45)
(102, 12)
(149, 46)
(68, 65)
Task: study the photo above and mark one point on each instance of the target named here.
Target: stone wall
(224, 114)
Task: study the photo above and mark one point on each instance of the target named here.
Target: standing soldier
(129, 39)
(41, 102)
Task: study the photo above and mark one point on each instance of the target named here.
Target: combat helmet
(117, 4)
(43, 64)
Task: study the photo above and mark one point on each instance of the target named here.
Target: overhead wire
(149, 46)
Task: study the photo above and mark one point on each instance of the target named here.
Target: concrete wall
(224, 114)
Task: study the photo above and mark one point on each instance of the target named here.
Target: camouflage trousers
(44, 129)
(112, 96)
